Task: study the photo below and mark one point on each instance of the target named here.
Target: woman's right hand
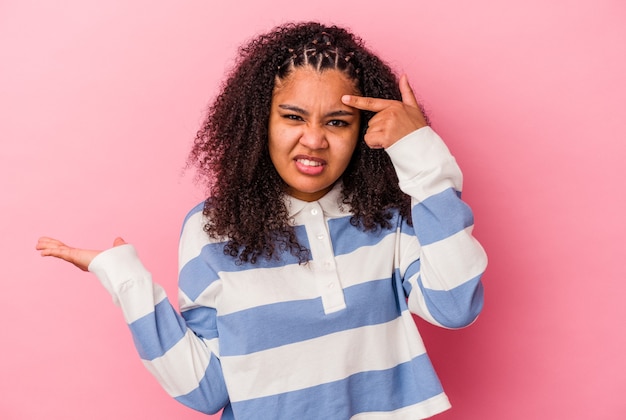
(81, 258)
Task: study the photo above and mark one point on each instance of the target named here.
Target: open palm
(81, 258)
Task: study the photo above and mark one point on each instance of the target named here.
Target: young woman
(334, 212)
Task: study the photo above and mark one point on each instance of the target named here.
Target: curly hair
(245, 204)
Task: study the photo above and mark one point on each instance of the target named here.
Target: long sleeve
(441, 263)
(182, 360)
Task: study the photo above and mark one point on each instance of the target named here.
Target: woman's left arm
(440, 262)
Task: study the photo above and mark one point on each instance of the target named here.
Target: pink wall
(99, 101)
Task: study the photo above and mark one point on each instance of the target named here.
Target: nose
(314, 137)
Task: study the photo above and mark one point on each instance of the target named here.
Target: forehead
(308, 83)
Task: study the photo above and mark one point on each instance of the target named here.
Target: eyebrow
(294, 108)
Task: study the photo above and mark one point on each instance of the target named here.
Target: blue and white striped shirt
(330, 339)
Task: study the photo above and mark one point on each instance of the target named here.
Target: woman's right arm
(185, 363)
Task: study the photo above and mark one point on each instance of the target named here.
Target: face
(312, 134)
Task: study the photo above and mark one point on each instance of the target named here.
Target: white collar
(330, 203)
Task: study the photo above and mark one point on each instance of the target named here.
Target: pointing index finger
(366, 103)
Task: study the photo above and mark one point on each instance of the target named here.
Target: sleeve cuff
(418, 151)
(117, 266)
(424, 164)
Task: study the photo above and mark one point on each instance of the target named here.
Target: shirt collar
(330, 203)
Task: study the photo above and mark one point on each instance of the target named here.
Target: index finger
(366, 103)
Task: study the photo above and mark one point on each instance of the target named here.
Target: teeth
(307, 162)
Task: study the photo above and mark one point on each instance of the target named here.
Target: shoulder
(193, 225)
(194, 238)
(194, 213)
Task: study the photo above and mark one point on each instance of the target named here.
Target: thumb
(119, 241)
(408, 97)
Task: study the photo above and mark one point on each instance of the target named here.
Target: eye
(293, 117)
(338, 123)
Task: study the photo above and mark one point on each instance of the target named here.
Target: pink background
(99, 103)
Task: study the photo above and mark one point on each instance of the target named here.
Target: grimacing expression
(312, 134)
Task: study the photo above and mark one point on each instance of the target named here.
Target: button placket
(326, 277)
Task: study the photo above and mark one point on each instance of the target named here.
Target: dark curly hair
(245, 204)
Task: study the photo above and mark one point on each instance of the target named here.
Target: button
(320, 236)
(331, 285)
(314, 212)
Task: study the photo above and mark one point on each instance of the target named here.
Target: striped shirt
(330, 339)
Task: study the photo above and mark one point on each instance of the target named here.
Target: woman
(334, 212)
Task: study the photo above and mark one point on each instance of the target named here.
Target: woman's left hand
(393, 119)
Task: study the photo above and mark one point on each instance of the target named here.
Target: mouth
(308, 162)
(309, 165)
